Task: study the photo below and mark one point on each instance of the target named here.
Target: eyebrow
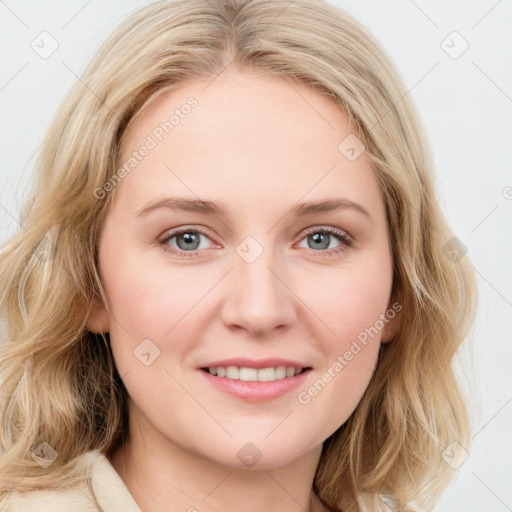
(218, 209)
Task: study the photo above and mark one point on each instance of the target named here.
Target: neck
(163, 476)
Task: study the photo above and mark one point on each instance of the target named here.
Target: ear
(98, 320)
(392, 321)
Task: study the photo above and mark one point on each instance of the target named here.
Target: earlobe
(388, 332)
(98, 320)
(390, 328)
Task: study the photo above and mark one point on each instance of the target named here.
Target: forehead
(243, 136)
(243, 110)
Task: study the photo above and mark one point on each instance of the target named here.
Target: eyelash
(346, 242)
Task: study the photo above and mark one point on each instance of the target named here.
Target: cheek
(151, 298)
(161, 304)
(354, 323)
(350, 303)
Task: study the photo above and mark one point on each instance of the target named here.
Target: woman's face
(253, 276)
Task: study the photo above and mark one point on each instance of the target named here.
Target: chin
(262, 455)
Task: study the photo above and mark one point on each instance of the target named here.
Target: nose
(258, 297)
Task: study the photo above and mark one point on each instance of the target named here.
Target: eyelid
(329, 229)
(185, 228)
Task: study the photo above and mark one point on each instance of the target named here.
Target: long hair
(60, 393)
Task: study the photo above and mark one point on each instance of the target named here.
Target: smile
(255, 384)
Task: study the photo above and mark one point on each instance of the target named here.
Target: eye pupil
(321, 237)
(190, 238)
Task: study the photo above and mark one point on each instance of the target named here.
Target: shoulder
(101, 486)
(51, 500)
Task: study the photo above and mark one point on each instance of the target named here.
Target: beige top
(109, 489)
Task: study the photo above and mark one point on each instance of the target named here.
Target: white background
(466, 105)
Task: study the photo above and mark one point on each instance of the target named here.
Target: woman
(234, 286)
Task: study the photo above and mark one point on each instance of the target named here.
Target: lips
(255, 380)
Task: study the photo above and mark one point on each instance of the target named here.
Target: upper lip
(254, 363)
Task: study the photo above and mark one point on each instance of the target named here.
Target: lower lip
(256, 391)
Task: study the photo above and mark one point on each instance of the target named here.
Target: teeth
(232, 372)
(248, 374)
(266, 374)
(253, 374)
(280, 372)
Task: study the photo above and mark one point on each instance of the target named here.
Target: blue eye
(326, 235)
(188, 241)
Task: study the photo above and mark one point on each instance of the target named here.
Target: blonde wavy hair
(59, 384)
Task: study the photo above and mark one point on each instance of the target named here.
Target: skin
(259, 146)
